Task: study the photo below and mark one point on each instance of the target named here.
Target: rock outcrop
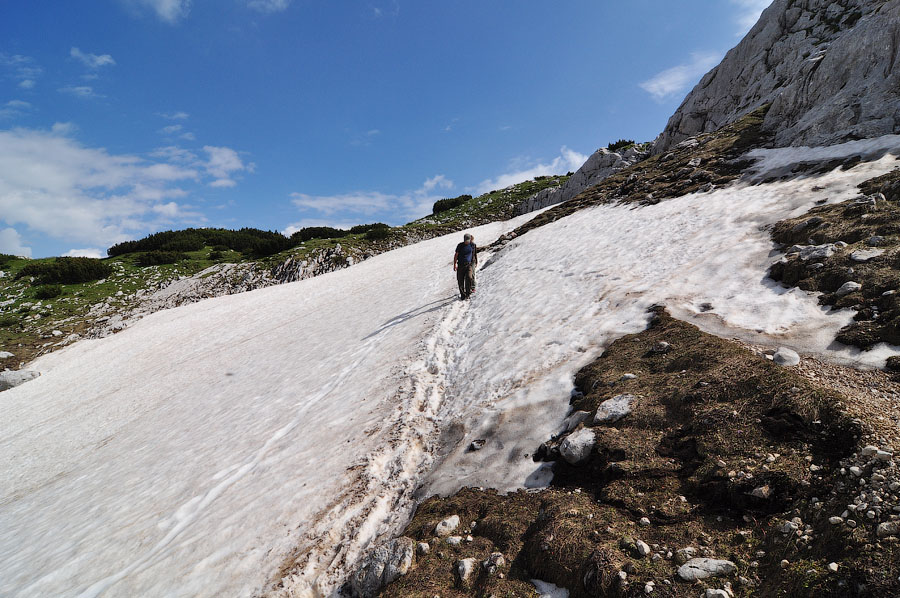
(599, 166)
(826, 66)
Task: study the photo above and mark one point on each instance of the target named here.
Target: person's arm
(455, 256)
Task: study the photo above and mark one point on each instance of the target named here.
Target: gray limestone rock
(703, 568)
(826, 67)
(614, 409)
(577, 447)
(382, 566)
(12, 378)
(785, 356)
(447, 526)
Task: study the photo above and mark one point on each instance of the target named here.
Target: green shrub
(216, 255)
(158, 258)
(377, 234)
(5, 258)
(318, 232)
(250, 241)
(364, 228)
(442, 205)
(620, 144)
(8, 320)
(48, 291)
(66, 270)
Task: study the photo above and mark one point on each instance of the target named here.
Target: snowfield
(197, 451)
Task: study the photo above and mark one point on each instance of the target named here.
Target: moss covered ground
(723, 448)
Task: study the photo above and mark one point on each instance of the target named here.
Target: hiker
(464, 261)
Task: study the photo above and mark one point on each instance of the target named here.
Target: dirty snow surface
(214, 449)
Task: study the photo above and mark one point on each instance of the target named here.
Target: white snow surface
(193, 453)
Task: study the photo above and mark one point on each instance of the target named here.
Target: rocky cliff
(598, 167)
(827, 68)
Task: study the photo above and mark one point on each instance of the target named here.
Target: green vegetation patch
(157, 258)
(66, 270)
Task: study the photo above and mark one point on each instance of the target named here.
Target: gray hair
(467, 237)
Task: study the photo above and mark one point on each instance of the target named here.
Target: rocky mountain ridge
(827, 67)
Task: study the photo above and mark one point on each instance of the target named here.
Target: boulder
(888, 528)
(785, 356)
(447, 526)
(12, 378)
(577, 447)
(614, 409)
(381, 567)
(465, 571)
(702, 568)
(847, 288)
(5, 355)
(864, 255)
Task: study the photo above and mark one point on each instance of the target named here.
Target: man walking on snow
(464, 261)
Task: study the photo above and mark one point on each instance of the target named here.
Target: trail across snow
(192, 454)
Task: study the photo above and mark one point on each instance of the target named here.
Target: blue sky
(122, 117)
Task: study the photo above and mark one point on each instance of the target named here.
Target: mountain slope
(828, 67)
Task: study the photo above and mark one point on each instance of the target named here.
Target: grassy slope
(27, 324)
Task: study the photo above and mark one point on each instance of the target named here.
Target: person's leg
(461, 280)
(470, 279)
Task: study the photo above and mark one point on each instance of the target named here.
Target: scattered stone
(862, 256)
(685, 554)
(464, 570)
(833, 567)
(423, 548)
(702, 568)
(711, 593)
(875, 241)
(12, 378)
(493, 563)
(572, 421)
(628, 377)
(447, 526)
(661, 347)
(577, 447)
(847, 288)
(476, 445)
(6, 355)
(764, 492)
(454, 540)
(835, 520)
(786, 357)
(614, 409)
(382, 566)
(888, 528)
(644, 522)
(642, 549)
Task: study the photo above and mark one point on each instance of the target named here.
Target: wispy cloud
(269, 6)
(171, 129)
(364, 139)
(92, 61)
(170, 11)
(174, 115)
(524, 169)
(14, 109)
(81, 91)
(748, 13)
(222, 164)
(365, 206)
(21, 68)
(11, 243)
(679, 78)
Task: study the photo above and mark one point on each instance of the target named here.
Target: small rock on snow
(14, 378)
(786, 357)
(847, 288)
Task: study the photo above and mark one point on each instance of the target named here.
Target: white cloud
(63, 128)
(85, 252)
(222, 162)
(13, 109)
(57, 187)
(567, 160)
(170, 11)
(171, 129)
(748, 13)
(11, 243)
(174, 115)
(269, 6)
(81, 91)
(188, 136)
(369, 205)
(92, 61)
(22, 68)
(679, 78)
